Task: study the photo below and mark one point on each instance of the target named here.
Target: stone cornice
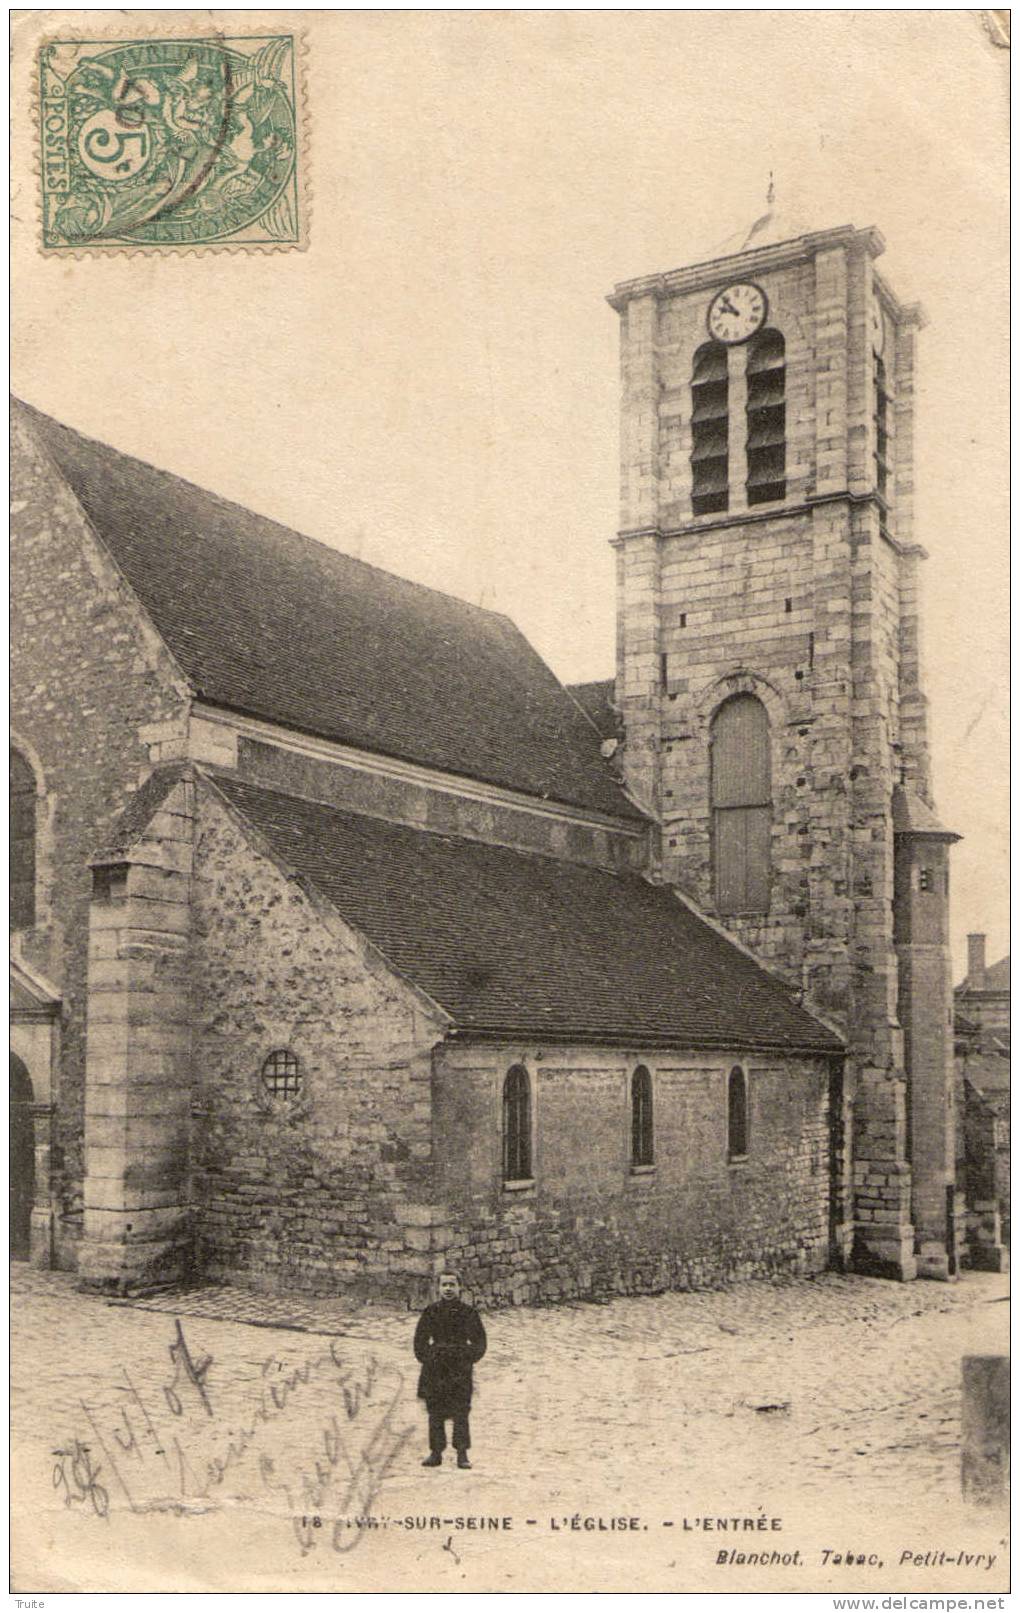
(755, 260)
(756, 517)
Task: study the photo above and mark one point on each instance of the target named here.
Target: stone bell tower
(769, 676)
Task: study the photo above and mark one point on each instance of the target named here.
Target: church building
(348, 944)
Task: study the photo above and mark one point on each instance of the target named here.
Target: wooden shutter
(741, 805)
(766, 418)
(710, 404)
(741, 771)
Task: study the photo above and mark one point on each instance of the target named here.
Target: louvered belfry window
(741, 769)
(881, 432)
(766, 418)
(710, 426)
(517, 1126)
(642, 1138)
(22, 830)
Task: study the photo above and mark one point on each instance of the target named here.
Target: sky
(433, 384)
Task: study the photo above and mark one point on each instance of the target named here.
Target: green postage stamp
(179, 143)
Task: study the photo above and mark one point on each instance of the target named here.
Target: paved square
(223, 1439)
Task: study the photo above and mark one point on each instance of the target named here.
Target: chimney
(976, 962)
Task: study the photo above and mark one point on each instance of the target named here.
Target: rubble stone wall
(328, 1188)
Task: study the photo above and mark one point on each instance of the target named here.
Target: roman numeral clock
(737, 312)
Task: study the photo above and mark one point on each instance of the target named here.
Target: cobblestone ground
(190, 1441)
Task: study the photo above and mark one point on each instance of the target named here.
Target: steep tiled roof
(911, 815)
(136, 815)
(513, 944)
(596, 701)
(275, 625)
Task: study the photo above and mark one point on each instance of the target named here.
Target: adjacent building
(983, 1101)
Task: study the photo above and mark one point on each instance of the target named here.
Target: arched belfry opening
(22, 1141)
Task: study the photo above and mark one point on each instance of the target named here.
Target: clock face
(735, 313)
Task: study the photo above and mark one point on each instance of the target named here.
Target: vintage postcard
(509, 952)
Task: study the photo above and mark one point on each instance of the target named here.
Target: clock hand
(728, 308)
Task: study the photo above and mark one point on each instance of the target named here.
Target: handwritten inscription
(186, 1368)
(190, 1454)
(76, 1477)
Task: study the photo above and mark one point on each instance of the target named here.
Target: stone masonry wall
(799, 604)
(402, 801)
(318, 771)
(589, 1224)
(811, 605)
(86, 671)
(331, 1188)
(138, 1223)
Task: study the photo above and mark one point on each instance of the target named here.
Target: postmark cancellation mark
(171, 143)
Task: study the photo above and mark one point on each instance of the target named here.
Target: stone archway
(22, 1140)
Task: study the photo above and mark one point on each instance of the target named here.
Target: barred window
(517, 1126)
(642, 1136)
(710, 451)
(23, 835)
(766, 418)
(741, 791)
(737, 1118)
(281, 1074)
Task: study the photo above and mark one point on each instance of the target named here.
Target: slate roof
(135, 817)
(596, 701)
(278, 626)
(516, 945)
(911, 815)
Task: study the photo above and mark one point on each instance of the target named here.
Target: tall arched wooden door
(22, 1159)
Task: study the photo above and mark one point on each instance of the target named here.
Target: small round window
(281, 1074)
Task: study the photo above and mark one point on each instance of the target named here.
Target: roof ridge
(592, 683)
(292, 531)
